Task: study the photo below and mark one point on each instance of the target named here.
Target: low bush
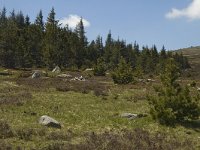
(123, 74)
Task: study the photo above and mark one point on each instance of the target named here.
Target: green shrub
(123, 74)
(172, 103)
(100, 68)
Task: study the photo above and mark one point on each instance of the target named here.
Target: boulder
(36, 74)
(56, 69)
(81, 78)
(129, 115)
(49, 122)
(198, 88)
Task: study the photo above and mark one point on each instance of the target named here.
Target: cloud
(192, 12)
(73, 20)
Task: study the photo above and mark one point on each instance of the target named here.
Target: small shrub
(123, 73)
(100, 68)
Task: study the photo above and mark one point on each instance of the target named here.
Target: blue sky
(173, 23)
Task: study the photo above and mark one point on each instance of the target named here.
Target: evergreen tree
(108, 47)
(123, 74)
(39, 20)
(100, 68)
(82, 45)
(99, 46)
(26, 44)
(50, 41)
(27, 20)
(173, 104)
(136, 48)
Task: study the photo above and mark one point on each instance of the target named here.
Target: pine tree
(3, 17)
(27, 21)
(81, 45)
(99, 46)
(100, 68)
(136, 48)
(8, 42)
(173, 104)
(39, 20)
(108, 47)
(50, 41)
(123, 74)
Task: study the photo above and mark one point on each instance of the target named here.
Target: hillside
(193, 55)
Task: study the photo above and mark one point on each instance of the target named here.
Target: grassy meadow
(89, 113)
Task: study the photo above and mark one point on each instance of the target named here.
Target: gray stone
(81, 78)
(36, 74)
(56, 69)
(129, 115)
(89, 69)
(64, 76)
(150, 80)
(49, 122)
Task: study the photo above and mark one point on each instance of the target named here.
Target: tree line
(25, 44)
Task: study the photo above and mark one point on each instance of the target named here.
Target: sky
(173, 23)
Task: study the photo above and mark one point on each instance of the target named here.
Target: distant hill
(193, 55)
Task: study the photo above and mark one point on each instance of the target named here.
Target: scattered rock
(150, 80)
(56, 69)
(132, 116)
(129, 115)
(49, 122)
(36, 74)
(198, 88)
(89, 69)
(64, 76)
(78, 79)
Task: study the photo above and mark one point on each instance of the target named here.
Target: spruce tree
(39, 20)
(50, 49)
(81, 45)
(123, 74)
(172, 103)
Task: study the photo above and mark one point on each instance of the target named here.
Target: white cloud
(192, 12)
(73, 20)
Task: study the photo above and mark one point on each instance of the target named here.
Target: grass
(85, 113)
